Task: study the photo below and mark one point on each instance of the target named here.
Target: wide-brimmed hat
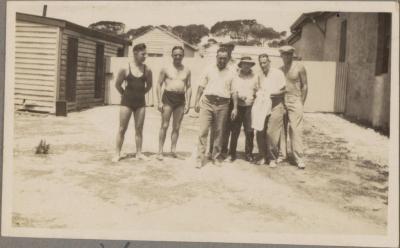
(247, 60)
(286, 49)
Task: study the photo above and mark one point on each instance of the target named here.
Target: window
(343, 41)
(383, 45)
(72, 64)
(99, 76)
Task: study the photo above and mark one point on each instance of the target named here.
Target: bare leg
(124, 117)
(165, 116)
(139, 116)
(176, 125)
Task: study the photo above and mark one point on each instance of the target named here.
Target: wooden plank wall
(85, 85)
(35, 66)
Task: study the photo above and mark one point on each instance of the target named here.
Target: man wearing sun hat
(295, 97)
(245, 84)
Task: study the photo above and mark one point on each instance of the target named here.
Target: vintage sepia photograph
(242, 122)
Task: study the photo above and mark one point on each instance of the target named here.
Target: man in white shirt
(268, 102)
(216, 85)
(232, 65)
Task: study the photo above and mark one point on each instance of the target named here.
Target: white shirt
(271, 83)
(217, 82)
(246, 88)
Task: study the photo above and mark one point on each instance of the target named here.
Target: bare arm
(200, 90)
(234, 96)
(160, 82)
(119, 81)
(188, 91)
(149, 80)
(235, 105)
(304, 83)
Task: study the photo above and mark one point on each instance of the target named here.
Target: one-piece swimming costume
(173, 98)
(134, 93)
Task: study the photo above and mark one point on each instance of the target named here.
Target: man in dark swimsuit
(139, 80)
(174, 99)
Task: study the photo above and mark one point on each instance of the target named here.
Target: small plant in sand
(43, 147)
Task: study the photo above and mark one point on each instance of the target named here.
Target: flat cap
(286, 49)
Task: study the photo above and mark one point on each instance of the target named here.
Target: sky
(136, 14)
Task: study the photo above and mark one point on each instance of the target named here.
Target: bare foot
(141, 156)
(160, 156)
(174, 155)
(116, 159)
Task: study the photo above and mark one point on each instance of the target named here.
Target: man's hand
(187, 108)
(197, 107)
(160, 107)
(234, 114)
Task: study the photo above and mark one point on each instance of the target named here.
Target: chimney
(44, 10)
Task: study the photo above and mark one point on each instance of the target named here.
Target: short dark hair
(222, 50)
(228, 46)
(178, 48)
(139, 47)
(263, 55)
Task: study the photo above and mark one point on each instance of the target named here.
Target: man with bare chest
(295, 97)
(173, 93)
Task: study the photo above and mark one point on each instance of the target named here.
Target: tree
(191, 33)
(133, 33)
(109, 27)
(244, 29)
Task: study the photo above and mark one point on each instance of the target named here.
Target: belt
(175, 92)
(217, 99)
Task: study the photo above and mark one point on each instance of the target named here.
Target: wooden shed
(159, 43)
(59, 63)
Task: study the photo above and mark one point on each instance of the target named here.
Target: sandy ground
(343, 190)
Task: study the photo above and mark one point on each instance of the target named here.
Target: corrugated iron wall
(341, 87)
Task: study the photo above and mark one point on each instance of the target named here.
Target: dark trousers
(243, 118)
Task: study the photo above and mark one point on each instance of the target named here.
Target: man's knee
(122, 130)
(139, 130)
(176, 128)
(165, 125)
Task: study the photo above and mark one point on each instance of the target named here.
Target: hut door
(72, 62)
(99, 81)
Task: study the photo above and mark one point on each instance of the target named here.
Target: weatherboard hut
(159, 43)
(59, 65)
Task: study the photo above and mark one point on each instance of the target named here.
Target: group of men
(229, 96)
